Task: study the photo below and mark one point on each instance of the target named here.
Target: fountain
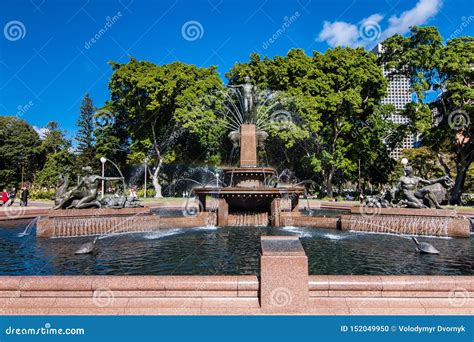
(249, 199)
(251, 193)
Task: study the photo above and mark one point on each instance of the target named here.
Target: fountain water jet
(248, 199)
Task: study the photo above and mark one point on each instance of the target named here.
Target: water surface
(230, 250)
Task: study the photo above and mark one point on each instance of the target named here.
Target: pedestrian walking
(24, 196)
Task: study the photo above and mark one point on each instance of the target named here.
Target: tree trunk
(155, 181)
(459, 182)
(464, 158)
(329, 176)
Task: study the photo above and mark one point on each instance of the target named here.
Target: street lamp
(146, 169)
(103, 160)
(404, 161)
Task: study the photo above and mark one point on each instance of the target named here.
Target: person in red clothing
(4, 196)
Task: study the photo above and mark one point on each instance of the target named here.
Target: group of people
(8, 198)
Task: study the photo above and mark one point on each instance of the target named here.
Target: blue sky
(52, 52)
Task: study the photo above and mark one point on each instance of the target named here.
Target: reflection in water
(231, 250)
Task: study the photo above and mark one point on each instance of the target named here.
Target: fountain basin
(87, 222)
(436, 222)
(229, 251)
(248, 177)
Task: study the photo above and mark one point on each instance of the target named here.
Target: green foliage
(85, 134)
(425, 161)
(166, 110)
(336, 110)
(335, 130)
(57, 157)
(61, 162)
(446, 69)
(41, 194)
(20, 151)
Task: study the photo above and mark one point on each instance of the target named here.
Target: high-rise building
(399, 95)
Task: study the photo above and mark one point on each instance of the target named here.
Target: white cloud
(368, 32)
(376, 18)
(424, 10)
(339, 33)
(41, 131)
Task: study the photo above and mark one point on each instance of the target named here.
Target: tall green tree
(336, 109)
(448, 70)
(55, 148)
(164, 111)
(20, 152)
(85, 134)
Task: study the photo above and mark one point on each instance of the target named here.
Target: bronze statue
(414, 198)
(61, 188)
(84, 194)
(248, 95)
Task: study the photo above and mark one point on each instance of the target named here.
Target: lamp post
(146, 169)
(103, 160)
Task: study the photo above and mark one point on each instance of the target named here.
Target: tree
(20, 153)
(446, 69)
(85, 134)
(54, 139)
(336, 109)
(55, 149)
(426, 162)
(163, 111)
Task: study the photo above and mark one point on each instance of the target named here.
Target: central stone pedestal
(248, 146)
